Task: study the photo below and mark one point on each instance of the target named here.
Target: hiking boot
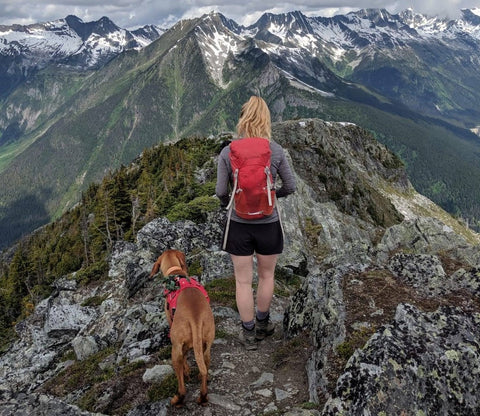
(264, 328)
(247, 338)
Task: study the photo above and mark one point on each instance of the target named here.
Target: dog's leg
(206, 355)
(178, 361)
(186, 367)
(186, 370)
(203, 398)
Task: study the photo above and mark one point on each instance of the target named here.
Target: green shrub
(95, 300)
(222, 291)
(96, 272)
(159, 391)
(195, 210)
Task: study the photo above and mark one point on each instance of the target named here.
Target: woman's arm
(223, 178)
(286, 175)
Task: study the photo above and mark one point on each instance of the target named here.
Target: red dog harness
(181, 283)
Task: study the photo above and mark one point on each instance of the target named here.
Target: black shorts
(245, 239)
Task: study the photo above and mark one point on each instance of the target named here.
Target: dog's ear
(183, 262)
(156, 266)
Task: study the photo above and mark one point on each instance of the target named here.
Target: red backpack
(253, 192)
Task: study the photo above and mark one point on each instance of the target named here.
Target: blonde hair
(255, 119)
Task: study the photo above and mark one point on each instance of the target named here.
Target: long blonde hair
(255, 119)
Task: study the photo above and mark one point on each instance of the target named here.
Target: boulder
(157, 373)
(422, 363)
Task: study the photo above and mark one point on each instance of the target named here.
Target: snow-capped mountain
(357, 31)
(87, 44)
(68, 42)
(408, 57)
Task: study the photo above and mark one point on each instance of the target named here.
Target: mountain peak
(219, 20)
(278, 28)
(71, 19)
(102, 26)
(294, 20)
(472, 16)
(379, 17)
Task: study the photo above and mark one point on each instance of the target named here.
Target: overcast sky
(131, 14)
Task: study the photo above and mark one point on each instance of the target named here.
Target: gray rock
(160, 235)
(468, 280)
(215, 264)
(224, 402)
(84, 346)
(302, 412)
(65, 284)
(135, 278)
(264, 380)
(428, 363)
(123, 253)
(225, 312)
(144, 330)
(157, 373)
(40, 404)
(424, 272)
(264, 392)
(426, 235)
(65, 318)
(318, 309)
(281, 394)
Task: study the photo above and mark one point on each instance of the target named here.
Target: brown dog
(193, 326)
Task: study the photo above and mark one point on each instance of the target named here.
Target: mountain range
(68, 42)
(80, 99)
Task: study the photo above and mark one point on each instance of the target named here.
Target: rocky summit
(376, 306)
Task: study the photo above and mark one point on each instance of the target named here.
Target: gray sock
(249, 325)
(261, 316)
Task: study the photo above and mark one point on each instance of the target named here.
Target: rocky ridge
(376, 307)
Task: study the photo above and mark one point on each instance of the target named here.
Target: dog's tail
(198, 348)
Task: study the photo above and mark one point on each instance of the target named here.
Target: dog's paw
(202, 400)
(177, 400)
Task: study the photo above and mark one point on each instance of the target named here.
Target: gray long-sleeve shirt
(279, 166)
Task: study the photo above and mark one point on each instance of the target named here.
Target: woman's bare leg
(243, 269)
(266, 280)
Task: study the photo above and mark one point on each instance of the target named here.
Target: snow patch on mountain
(334, 34)
(295, 82)
(36, 40)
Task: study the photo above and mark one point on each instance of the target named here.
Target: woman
(261, 237)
